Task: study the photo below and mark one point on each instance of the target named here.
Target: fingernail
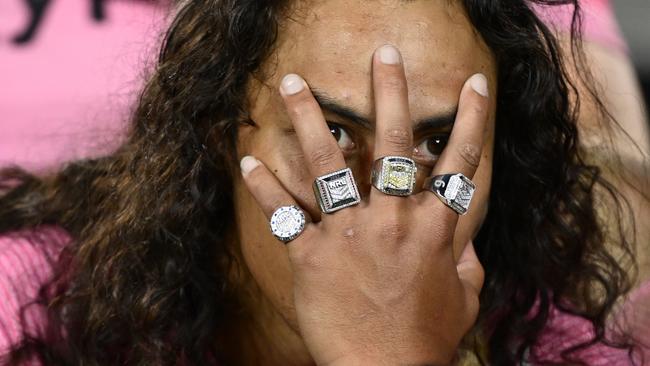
(389, 55)
(292, 84)
(478, 82)
(247, 164)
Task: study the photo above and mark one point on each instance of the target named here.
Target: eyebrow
(327, 103)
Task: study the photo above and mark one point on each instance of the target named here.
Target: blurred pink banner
(67, 93)
(599, 23)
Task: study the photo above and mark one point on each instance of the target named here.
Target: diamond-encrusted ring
(394, 175)
(287, 223)
(454, 190)
(336, 191)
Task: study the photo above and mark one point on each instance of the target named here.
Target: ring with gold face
(394, 175)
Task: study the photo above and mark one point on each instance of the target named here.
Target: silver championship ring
(454, 190)
(394, 175)
(287, 223)
(336, 191)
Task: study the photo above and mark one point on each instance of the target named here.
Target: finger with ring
(454, 190)
(394, 175)
(286, 219)
(287, 223)
(336, 191)
(463, 152)
(322, 153)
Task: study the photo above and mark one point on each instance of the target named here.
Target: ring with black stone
(454, 190)
(336, 191)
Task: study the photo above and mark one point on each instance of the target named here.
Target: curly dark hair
(146, 278)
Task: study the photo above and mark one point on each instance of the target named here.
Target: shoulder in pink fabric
(599, 22)
(630, 323)
(26, 262)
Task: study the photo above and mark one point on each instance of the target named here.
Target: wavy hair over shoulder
(145, 278)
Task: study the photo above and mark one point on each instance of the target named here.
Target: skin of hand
(378, 283)
(331, 44)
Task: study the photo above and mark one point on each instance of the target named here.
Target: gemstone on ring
(394, 175)
(336, 191)
(287, 223)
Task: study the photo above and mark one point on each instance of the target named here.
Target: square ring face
(336, 191)
(397, 176)
(459, 193)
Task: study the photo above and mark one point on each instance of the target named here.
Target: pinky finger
(266, 188)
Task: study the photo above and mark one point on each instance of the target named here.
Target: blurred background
(634, 19)
(70, 70)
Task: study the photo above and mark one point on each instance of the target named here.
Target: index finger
(394, 132)
(321, 150)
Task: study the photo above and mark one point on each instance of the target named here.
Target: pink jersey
(26, 262)
(631, 321)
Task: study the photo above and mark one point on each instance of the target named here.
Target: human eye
(343, 138)
(429, 150)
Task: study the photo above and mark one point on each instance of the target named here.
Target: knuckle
(306, 259)
(274, 202)
(393, 230)
(398, 138)
(323, 157)
(351, 235)
(470, 153)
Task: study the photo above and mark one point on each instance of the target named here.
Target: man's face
(330, 44)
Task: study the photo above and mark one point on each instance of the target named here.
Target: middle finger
(394, 133)
(321, 150)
